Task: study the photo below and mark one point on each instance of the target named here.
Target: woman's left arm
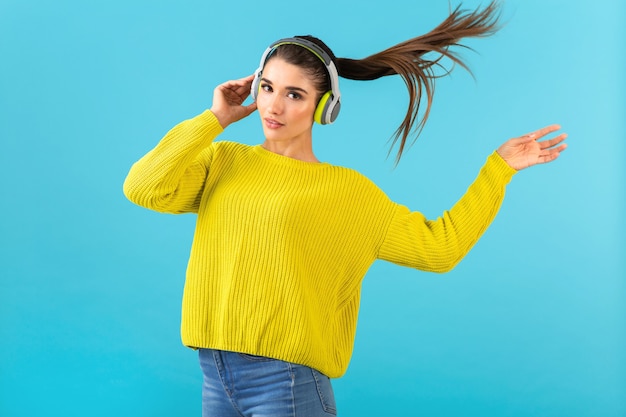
(438, 245)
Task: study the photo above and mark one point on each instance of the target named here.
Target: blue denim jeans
(241, 385)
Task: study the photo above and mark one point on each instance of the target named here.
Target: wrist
(221, 118)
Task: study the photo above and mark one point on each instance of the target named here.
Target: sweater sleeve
(439, 245)
(171, 177)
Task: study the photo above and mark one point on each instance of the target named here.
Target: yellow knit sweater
(281, 246)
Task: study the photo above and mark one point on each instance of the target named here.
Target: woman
(283, 240)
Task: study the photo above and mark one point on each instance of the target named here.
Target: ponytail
(407, 60)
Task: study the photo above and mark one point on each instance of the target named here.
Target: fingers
(241, 87)
(541, 132)
(550, 143)
(240, 82)
(549, 156)
(549, 149)
(538, 134)
(250, 108)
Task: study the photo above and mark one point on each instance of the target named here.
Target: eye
(266, 87)
(294, 96)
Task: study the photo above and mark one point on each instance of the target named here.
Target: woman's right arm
(171, 177)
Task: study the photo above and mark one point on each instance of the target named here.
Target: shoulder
(226, 146)
(227, 150)
(356, 184)
(352, 175)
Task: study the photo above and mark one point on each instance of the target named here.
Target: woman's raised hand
(526, 151)
(228, 101)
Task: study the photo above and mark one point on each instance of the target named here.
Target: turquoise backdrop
(531, 323)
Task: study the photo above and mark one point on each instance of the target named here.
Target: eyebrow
(291, 88)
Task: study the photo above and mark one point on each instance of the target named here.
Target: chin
(274, 135)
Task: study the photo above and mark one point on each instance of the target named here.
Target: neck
(296, 150)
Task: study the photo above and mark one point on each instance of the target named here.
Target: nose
(275, 104)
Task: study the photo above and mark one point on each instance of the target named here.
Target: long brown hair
(407, 60)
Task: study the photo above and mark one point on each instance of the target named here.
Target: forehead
(279, 71)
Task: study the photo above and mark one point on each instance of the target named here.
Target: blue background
(532, 322)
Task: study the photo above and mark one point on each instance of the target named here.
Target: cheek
(261, 101)
(308, 110)
(305, 113)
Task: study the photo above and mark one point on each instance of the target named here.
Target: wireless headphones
(329, 105)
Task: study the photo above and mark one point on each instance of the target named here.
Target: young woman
(283, 240)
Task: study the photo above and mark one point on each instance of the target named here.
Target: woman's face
(286, 102)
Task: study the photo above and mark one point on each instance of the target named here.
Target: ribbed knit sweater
(281, 245)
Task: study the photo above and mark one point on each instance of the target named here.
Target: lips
(272, 124)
